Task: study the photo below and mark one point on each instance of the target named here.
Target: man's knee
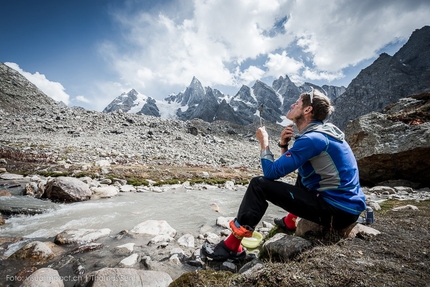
(258, 180)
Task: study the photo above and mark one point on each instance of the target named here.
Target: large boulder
(67, 189)
(394, 144)
(36, 252)
(44, 277)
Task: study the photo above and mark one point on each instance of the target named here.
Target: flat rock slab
(11, 176)
(12, 205)
(285, 246)
(81, 236)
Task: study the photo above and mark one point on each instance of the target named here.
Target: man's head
(310, 106)
(320, 103)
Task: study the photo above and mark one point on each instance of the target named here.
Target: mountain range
(211, 104)
(386, 80)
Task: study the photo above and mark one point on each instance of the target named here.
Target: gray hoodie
(325, 128)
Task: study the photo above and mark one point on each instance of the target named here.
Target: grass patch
(53, 173)
(137, 182)
(85, 174)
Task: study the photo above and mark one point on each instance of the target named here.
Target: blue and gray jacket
(326, 164)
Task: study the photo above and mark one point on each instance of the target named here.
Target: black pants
(295, 199)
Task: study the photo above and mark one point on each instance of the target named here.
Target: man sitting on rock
(327, 191)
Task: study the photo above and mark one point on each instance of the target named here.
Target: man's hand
(286, 135)
(262, 137)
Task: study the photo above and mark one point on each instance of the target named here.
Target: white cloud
(83, 99)
(281, 64)
(339, 33)
(230, 43)
(321, 75)
(249, 75)
(54, 90)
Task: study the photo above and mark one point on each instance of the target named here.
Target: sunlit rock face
(394, 144)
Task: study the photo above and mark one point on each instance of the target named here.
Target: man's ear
(308, 109)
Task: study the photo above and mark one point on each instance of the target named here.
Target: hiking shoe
(279, 222)
(220, 252)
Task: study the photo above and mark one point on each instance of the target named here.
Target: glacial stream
(185, 210)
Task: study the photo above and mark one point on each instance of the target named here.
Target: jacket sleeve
(302, 150)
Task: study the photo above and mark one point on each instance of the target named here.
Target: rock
(86, 179)
(130, 261)
(44, 277)
(382, 190)
(104, 192)
(186, 240)
(127, 188)
(215, 207)
(5, 193)
(23, 274)
(251, 267)
(267, 225)
(224, 221)
(26, 205)
(175, 259)
(10, 176)
(153, 227)
(125, 249)
(228, 266)
(2, 221)
(102, 163)
(405, 207)
(105, 181)
(35, 188)
(67, 189)
(393, 144)
(124, 277)
(36, 252)
(80, 236)
(212, 237)
(162, 238)
(86, 248)
(229, 185)
(285, 246)
(404, 189)
(304, 226)
(359, 229)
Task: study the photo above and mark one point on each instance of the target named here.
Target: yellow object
(252, 242)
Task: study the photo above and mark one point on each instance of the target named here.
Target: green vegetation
(137, 181)
(53, 173)
(85, 174)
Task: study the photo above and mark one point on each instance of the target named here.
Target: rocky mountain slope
(39, 134)
(387, 80)
(17, 94)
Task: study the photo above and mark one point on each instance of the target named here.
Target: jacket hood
(325, 128)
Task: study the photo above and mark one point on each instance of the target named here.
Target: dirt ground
(399, 256)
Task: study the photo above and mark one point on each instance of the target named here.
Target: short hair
(321, 104)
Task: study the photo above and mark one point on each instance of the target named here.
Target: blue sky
(87, 52)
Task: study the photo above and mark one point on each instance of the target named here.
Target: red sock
(233, 243)
(290, 221)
